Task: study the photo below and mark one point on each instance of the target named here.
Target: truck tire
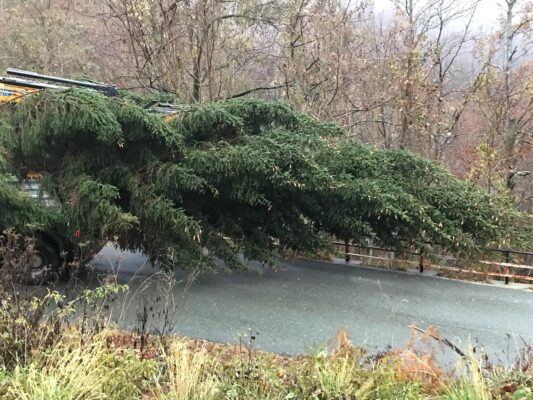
(45, 264)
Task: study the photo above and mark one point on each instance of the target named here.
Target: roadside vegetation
(55, 347)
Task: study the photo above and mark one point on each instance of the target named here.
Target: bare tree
(515, 121)
(198, 50)
(449, 96)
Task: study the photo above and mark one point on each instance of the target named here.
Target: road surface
(301, 307)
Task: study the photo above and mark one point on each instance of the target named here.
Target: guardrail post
(507, 260)
(347, 251)
(421, 262)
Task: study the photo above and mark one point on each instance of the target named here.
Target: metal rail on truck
(108, 90)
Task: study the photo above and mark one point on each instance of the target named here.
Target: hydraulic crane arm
(12, 90)
(108, 90)
(15, 87)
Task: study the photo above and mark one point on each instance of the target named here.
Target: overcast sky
(487, 12)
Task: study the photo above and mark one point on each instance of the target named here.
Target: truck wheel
(44, 265)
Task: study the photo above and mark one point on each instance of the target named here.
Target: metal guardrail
(421, 262)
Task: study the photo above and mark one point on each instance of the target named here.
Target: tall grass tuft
(62, 374)
(189, 375)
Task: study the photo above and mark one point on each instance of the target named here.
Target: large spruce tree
(231, 178)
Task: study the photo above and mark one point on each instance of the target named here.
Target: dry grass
(111, 366)
(190, 375)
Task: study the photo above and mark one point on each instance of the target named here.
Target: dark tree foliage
(232, 178)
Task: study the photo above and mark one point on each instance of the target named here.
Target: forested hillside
(422, 76)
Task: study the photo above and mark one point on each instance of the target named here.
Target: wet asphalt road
(301, 307)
